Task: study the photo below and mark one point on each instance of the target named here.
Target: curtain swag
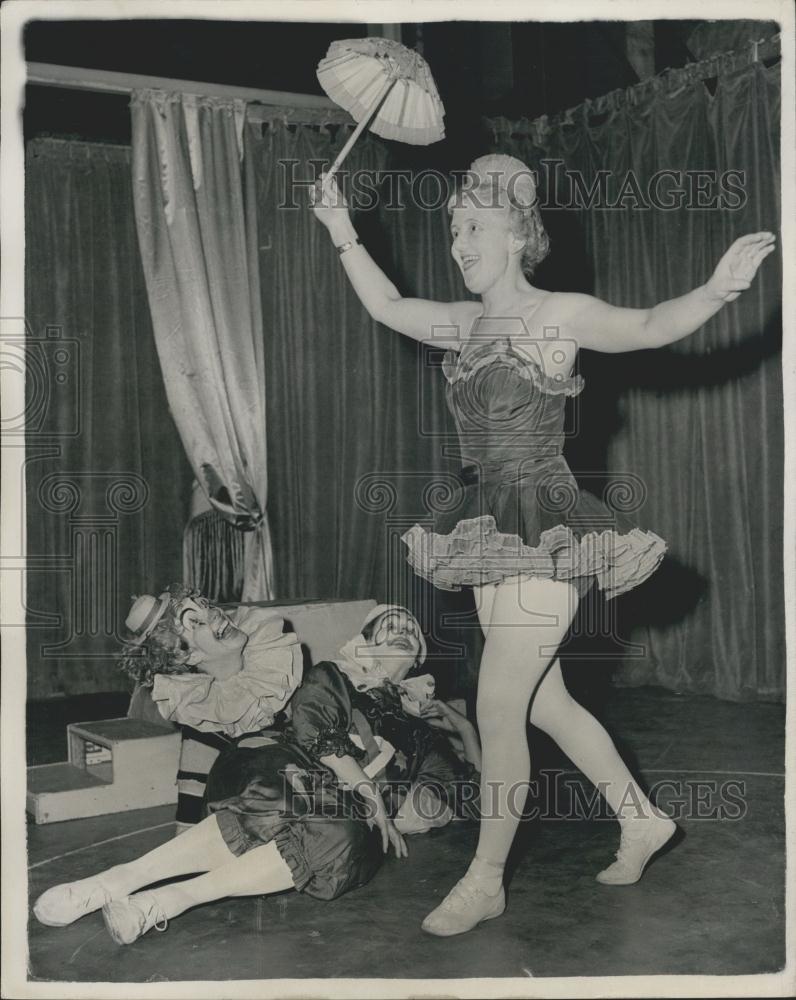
(668, 83)
(342, 400)
(199, 251)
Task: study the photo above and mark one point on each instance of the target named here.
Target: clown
(217, 674)
(309, 807)
(362, 710)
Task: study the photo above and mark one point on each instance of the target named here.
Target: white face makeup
(483, 243)
(396, 643)
(213, 640)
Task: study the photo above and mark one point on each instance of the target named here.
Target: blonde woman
(524, 537)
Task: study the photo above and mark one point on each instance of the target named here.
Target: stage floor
(713, 904)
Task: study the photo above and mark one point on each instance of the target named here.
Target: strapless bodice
(507, 409)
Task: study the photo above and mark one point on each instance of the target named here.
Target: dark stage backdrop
(357, 421)
(106, 478)
(701, 422)
(359, 427)
(362, 414)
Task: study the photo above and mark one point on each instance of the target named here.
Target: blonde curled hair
(496, 174)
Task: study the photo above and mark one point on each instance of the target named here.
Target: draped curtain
(701, 422)
(359, 439)
(199, 256)
(106, 478)
(362, 431)
(213, 556)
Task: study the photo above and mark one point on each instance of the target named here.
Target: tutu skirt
(532, 520)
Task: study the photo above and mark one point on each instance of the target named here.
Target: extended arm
(350, 774)
(602, 327)
(445, 324)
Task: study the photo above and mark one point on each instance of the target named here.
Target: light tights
(524, 623)
(201, 849)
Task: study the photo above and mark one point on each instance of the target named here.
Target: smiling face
(395, 641)
(215, 644)
(484, 244)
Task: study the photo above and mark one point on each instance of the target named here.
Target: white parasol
(382, 80)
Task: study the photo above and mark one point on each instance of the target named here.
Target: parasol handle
(358, 130)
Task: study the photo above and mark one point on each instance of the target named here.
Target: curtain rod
(671, 79)
(105, 81)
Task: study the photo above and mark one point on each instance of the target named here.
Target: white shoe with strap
(128, 919)
(641, 839)
(63, 904)
(465, 906)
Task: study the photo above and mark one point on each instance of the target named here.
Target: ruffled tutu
(534, 522)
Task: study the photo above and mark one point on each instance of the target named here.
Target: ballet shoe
(640, 840)
(463, 908)
(63, 904)
(130, 918)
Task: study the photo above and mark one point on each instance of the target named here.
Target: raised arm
(598, 326)
(445, 324)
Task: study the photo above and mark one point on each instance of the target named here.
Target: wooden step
(62, 777)
(114, 765)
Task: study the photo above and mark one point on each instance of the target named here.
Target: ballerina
(528, 557)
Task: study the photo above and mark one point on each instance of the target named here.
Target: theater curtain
(701, 422)
(357, 421)
(199, 256)
(363, 426)
(106, 479)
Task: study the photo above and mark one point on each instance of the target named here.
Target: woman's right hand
(328, 202)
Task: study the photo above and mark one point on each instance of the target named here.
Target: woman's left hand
(737, 268)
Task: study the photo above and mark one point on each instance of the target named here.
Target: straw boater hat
(144, 615)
